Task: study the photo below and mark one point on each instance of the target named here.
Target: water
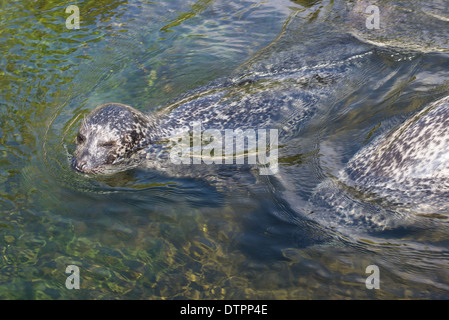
(143, 235)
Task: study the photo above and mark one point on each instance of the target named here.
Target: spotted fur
(108, 137)
(410, 166)
(401, 176)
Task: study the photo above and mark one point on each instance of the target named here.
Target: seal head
(108, 137)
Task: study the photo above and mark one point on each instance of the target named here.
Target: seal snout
(79, 166)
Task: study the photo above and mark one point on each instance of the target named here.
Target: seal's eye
(80, 138)
(107, 144)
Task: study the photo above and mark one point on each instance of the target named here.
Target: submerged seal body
(410, 164)
(399, 178)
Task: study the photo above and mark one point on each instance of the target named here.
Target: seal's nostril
(78, 165)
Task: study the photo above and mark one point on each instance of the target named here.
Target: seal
(114, 136)
(410, 165)
(278, 93)
(401, 177)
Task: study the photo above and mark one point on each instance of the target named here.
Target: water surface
(142, 235)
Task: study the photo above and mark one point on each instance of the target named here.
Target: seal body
(400, 177)
(409, 165)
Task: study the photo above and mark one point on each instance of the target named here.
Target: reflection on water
(144, 235)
